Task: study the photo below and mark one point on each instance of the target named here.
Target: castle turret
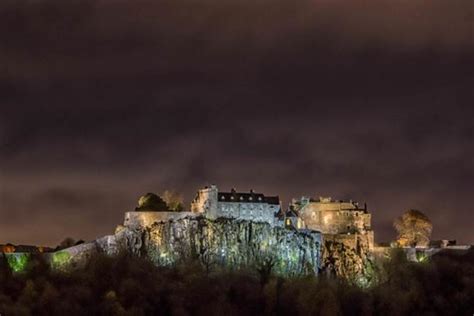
(205, 202)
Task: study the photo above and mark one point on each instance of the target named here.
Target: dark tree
(151, 202)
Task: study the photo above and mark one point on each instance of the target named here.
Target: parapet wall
(136, 220)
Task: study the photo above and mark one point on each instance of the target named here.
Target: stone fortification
(136, 219)
(332, 217)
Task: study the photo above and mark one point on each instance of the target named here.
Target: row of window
(243, 208)
(241, 198)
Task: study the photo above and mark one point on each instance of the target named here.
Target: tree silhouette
(414, 229)
(151, 202)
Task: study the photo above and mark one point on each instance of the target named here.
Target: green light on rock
(17, 261)
(421, 257)
(60, 259)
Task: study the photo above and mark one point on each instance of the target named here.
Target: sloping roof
(247, 198)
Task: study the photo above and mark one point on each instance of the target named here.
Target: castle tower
(205, 202)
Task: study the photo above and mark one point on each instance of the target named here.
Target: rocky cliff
(229, 244)
(348, 257)
(221, 243)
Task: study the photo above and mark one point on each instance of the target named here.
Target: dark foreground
(130, 286)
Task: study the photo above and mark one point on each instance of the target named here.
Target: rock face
(227, 244)
(348, 257)
(222, 243)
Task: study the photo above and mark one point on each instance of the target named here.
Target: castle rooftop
(252, 197)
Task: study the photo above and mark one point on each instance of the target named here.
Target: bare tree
(414, 229)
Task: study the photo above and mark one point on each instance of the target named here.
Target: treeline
(126, 285)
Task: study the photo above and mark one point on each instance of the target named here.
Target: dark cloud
(105, 100)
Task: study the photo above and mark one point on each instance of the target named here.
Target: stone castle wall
(335, 221)
(146, 219)
(208, 204)
(257, 212)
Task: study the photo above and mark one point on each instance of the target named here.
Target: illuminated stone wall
(146, 219)
(335, 217)
(257, 212)
(205, 202)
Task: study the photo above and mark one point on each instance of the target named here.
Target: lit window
(222, 197)
(250, 199)
(259, 198)
(241, 198)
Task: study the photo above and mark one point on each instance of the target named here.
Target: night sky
(102, 101)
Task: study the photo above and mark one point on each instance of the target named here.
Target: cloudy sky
(104, 100)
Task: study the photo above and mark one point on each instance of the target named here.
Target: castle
(237, 229)
(328, 216)
(338, 229)
(325, 215)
